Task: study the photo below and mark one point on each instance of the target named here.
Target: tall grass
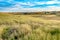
(25, 27)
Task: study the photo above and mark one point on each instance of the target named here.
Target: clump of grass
(15, 32)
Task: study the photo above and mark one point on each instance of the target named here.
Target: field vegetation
(29, 27)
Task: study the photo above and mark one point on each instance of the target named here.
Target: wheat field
(29, 27)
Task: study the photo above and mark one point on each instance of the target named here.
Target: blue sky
(29, 5)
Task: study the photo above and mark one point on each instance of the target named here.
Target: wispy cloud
(31, 5)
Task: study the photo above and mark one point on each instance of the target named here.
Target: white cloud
(49, 8)
(26, 3)
(50, 2)
(19, 8)
(40, 3)
(37, 3)
(53, 2)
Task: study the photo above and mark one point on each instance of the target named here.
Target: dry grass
(29, 27)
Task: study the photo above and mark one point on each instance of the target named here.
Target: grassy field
(29, 27)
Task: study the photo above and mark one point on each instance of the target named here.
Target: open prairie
(29, 27)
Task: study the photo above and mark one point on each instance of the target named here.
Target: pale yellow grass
(36, 26)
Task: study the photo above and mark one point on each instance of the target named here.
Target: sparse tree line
(33, 13)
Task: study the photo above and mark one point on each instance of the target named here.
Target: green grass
(29, 27)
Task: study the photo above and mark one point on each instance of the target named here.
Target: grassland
(29, 27)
